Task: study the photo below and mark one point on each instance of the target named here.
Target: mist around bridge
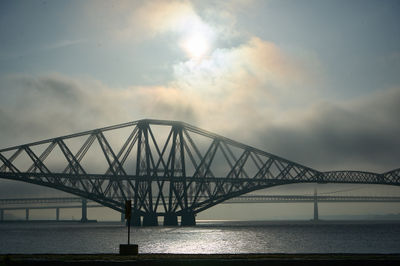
(288, 78)
(367, 211)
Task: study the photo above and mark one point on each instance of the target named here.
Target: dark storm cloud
(36, 108)
(359, 134)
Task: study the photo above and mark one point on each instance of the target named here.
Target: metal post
(128, 249)
(27, 214)
(57, 214)
(84, 211)
(129, 231)
(1, 215)
(128, 214)
(122, 217)
(315, 205)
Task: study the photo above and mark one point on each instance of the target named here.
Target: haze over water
(207, 238)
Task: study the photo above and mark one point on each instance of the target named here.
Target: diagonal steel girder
(163, 166)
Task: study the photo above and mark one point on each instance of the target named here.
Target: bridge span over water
(58, 203)
(167, 168)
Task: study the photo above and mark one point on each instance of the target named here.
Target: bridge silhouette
(167, 168)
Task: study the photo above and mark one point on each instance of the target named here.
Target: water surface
(210, 237)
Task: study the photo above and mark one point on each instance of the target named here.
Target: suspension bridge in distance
(167, 168)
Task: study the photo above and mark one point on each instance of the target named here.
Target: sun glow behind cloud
(196, 45)
(197, 36)
(176, 19)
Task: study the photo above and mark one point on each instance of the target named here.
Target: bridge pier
(188, 219)
(171, 219)
(135, 219)
(27, 214)
(57, 214)
(315, 206)
(84, 211)
(150, 219)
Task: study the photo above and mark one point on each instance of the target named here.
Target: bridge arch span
(167, 168)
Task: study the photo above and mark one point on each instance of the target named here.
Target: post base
(125, 249)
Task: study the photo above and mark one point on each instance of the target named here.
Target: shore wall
(201, 259)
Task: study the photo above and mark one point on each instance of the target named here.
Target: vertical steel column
(150, 218)
(188, 217)
(84, 211)
(148, 173)
(27, 214)
(57, 214)
(1, 215)
(171, 218)
(135, 217)
(171, 166)
(182, 158)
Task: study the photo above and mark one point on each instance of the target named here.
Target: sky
(316, 82)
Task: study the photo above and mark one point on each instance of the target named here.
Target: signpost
(128, 249)
(128, 210)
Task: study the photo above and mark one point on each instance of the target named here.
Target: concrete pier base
(150, 219)
(315, 206)
(188, 219)
(135, 219)
(57, 214)
(84, 218)
(171, 219)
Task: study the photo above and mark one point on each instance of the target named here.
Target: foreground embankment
(201, 259)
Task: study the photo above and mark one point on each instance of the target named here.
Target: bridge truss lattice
(167, 168)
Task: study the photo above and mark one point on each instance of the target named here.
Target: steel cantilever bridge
(167, 168)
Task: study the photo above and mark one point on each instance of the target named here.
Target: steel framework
(167, 168)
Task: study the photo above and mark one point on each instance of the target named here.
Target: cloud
(38, 107)
(360, 134)
(161, 16)
(41, 106)
(153, 18)
(260, 95)
(253, 80)
(254, 92)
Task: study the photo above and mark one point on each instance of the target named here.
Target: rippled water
(204, 238)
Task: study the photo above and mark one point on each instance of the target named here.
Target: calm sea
(207, 237)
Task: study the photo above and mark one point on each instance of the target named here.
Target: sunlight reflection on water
(206, 238)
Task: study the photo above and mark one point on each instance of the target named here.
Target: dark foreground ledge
(201, 259)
